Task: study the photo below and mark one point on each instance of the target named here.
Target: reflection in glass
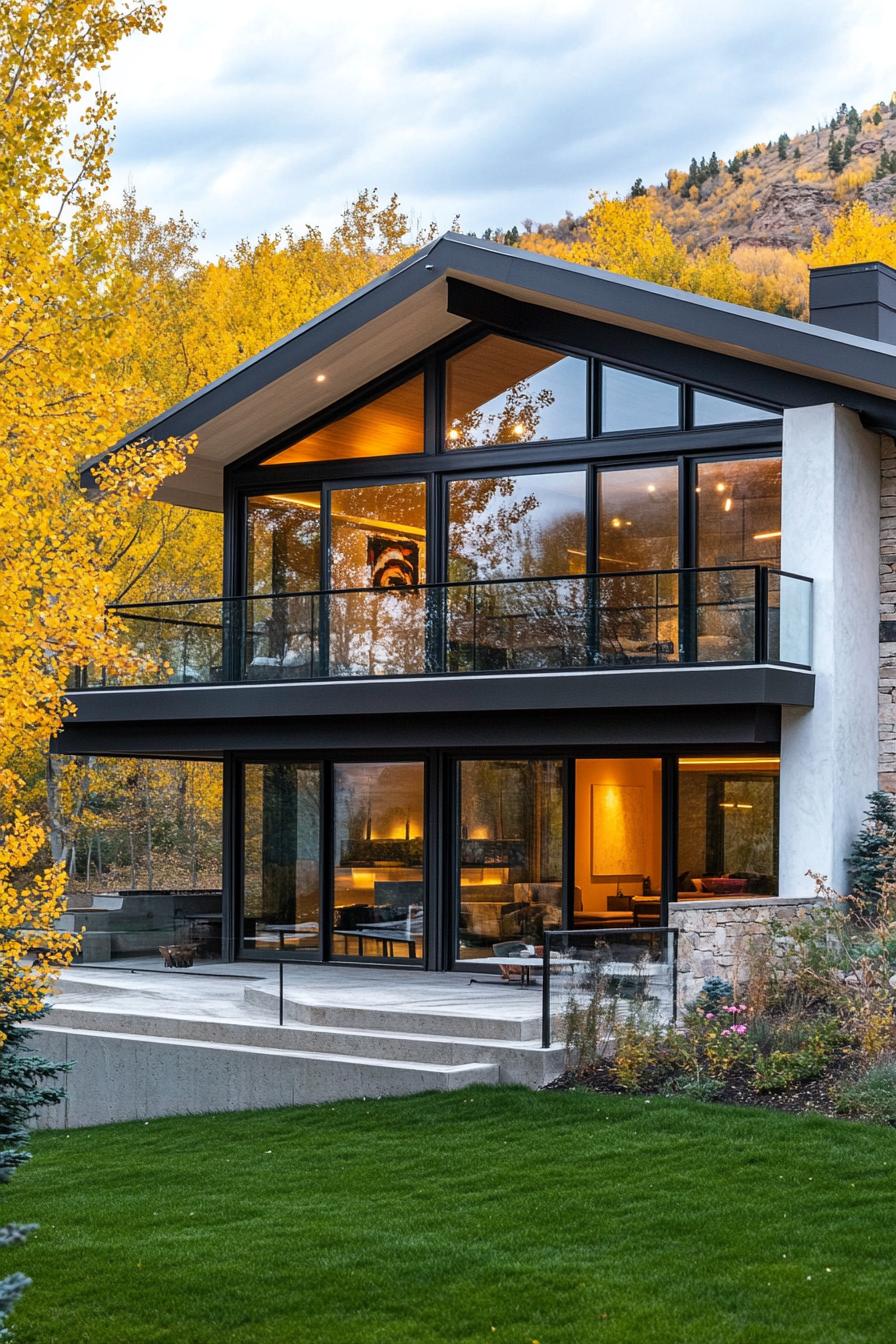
(282, 557)
(510, 853)
(728, 827)
(629, 401)
(378, 892)
(378, 545)
(281, 878)
(712, 410)
(525, 527)
(738, 507)
(637, 512)
(391, 424)
(503, 391)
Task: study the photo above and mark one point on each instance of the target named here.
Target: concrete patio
(147, 1042)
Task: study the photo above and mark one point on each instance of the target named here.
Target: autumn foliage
(64, 339)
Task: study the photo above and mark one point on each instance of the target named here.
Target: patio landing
(148, 1043)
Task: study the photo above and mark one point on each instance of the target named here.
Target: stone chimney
(858, 299)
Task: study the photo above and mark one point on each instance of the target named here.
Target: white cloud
(249, 118)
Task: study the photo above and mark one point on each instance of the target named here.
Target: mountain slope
(777, 194)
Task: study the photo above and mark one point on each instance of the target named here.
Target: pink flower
(731, 1008)
(742, 1008)
(741, 1030)
(709, 1016)
(726, 1031)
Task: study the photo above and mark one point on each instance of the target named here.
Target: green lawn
(490, 1215)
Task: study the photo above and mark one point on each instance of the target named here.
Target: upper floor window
(709, 409)
(387, 426)
(630, 401)
(503, 391)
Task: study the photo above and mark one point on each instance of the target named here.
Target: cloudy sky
(252, 116)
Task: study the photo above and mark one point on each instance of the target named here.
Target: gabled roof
(407, 309)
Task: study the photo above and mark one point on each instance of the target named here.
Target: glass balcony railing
(649, 618)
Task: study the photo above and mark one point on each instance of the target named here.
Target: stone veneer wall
(714, 936)
(887, 684)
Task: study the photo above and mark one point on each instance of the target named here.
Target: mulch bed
(815, 1097)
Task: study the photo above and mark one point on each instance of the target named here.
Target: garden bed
(815, 1096)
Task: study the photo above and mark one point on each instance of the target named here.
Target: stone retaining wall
(714, 936)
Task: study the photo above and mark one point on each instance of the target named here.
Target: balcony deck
(533, 657)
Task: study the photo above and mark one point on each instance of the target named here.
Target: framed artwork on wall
(617, 832)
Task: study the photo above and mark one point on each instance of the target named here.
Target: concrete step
(506, 1021)
(518, 1061)
(129, 1076)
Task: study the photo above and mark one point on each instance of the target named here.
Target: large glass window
(727, 827)
(510, 853)
(637, 522)
(281, 865)
(738, 506)
(504, 391)
(283, 542)
(629, 401)
(378, 890)
(282, 620)
(391, 424)
(531, 528)
(712, 410)
(378, 553)
(618, 842)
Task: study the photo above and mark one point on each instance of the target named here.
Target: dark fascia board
(532, 693)
(833, 356)
(606, 731)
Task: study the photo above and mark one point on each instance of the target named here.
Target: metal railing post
(760, 603)
(546, 1024)
(281, 993)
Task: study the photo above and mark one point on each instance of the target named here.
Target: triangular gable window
(713, 410)
(388, 426)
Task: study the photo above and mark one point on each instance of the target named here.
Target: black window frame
(437, 464)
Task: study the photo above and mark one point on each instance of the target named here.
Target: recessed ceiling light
(321, 378)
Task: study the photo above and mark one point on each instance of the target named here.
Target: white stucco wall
(830, 497)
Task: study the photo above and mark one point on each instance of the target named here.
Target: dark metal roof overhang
(638, 709)
(405, 311)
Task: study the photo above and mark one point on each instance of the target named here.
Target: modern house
(550, 598)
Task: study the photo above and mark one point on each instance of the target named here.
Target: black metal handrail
(608, 936)
(565, 622)
(466, 583)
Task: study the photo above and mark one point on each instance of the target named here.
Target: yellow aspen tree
(66, 298)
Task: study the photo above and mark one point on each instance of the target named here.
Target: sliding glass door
(282, 859)
(378, 870)
(509, 853)
(377, 562)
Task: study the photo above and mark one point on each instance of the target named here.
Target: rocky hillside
(781, 193)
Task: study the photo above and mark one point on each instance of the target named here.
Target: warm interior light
(615, 522)
(727, 806)
(651, 489)
(721, 487)
(321, 378)
(745, 807)
(519, 430)
(766, 536)
(729, 760)
(696, 489)
(728, 504)
(454, 433)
